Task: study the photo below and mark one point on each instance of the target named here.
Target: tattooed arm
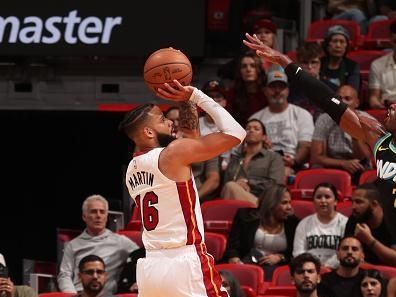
(188, 120)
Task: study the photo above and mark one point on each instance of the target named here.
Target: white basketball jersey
(170, 211)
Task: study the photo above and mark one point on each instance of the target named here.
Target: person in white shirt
(288, 126)
(320, 233)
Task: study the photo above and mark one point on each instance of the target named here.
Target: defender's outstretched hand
(265, 51)
(175, 92)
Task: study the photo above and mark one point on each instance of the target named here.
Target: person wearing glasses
(92, 274)
(334, 148)
(96, 239)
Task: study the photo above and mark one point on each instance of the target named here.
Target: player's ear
(148, 132)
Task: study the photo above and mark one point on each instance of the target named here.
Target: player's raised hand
(265, 51)
(175, 91)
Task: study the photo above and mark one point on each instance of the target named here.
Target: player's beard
(364, 217)
(165, 139)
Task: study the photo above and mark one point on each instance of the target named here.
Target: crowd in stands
(286, 134)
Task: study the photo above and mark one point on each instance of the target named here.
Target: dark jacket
(348, 73)
(244, 227)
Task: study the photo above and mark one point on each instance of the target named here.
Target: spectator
(216, 90)
(320, 233)
(264, 236)
(368, 225)
(336, 69)
(252, 168)
(373, 284)
(352, 10)
(391, 287)
(289, 127)
(127, 282)
(308, 57)
(7, 287)
(334, 148)
(265, 30)
(305, 272)
(247, 95)
(231, 284)
(93, 276)
(96, 239)
(173, 113)
(345, 280)
(382, 76)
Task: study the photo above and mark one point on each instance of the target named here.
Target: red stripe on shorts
(188, 199)
(211, 277)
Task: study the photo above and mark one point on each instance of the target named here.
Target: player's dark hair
(134, 118)
(372, 192)
(298, 262)
(90, 258)
(326, 185)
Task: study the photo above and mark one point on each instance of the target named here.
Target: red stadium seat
(302, 208)
(387, 271)
(368, 176)
(344, 207)
(307, 194)
(135, 223)
(218, 214)
(248, 291)
(292, 55)
(379, 114)
(317, 30)
(247, 274)
(279, 291)
(215, 244)
(364, 59)
(282, 277)
(378, 35)
(134, 235)
(308, 179)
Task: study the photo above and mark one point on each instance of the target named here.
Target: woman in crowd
(336, 69)
(264, 235)
(320, 233)
(373, 284)
(246, 95)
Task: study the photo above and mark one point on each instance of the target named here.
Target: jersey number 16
(148, 211)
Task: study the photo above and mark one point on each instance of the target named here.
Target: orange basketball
(165, 65)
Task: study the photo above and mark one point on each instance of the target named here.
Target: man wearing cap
(336, 69)
(288, 126)
(382, 77)
(7, 287)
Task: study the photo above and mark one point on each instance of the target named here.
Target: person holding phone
(7, 287)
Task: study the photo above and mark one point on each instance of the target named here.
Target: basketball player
(358, 126)
(159, 179)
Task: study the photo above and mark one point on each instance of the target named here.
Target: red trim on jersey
(188, 200)
(211, 277)
(141, 152)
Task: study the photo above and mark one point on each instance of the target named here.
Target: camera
(3, 271)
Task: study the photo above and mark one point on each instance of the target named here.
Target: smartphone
(3, 271)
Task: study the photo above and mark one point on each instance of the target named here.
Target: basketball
(165, 65)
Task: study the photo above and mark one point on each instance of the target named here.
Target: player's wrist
(198, 97)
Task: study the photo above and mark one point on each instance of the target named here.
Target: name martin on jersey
(141, 178)
(386, 170)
